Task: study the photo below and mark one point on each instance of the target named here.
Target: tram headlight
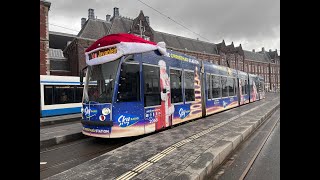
(106, 111)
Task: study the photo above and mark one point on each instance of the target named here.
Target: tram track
(240, 162)
(60, 158)
(246, 171)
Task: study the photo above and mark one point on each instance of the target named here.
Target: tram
(60, 95)
(143, 87)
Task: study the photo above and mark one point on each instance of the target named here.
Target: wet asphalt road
(266, 165)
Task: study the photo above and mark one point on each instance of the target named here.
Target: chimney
(253, 50)
(108, 17)
(262, 49)
(90, 13)
(269, 50)
(148, 20)
(115, 11)
(83, 20)
(276, 50)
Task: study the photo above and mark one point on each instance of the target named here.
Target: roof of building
(185, 43)
(256, 56)
(56, 54)
(273, 54)
(58, 40)
(96, 29)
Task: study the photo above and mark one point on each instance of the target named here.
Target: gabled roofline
(186, 37)
(62, 34)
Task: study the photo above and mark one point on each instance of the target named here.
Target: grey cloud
(233, 20)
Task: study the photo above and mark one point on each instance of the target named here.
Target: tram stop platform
(188, 151)
(60, 129)
(59, 119)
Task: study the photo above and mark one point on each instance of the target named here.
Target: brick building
(59, 65)
(266, 64)
(44, 37)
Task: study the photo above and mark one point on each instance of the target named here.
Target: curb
(59, 121)
(230, 144)
(61, 139)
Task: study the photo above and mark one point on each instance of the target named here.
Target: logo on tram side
(127, 120)
(224, 104)
(90, 112)
(103, 52)
(183, 113)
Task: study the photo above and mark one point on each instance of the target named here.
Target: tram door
(128, 108)
(156, 96)
(203, 90)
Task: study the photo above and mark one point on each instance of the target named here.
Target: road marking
(138, 169)
(43, 162)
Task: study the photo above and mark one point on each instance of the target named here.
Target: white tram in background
(60, 95)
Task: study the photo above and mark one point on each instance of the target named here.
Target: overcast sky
(253, 23)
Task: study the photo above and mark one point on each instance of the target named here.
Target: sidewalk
(59, 119)
(63, 130)
(189, 151)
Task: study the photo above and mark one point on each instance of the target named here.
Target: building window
(176, 85)
(129, 84)
(189, 86)
(151, 75)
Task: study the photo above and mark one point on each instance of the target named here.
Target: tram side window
(216, 87)
(209, 86)
(63, 94)
(176, 86)
(129, 84)
(230, 84)
(151, 76)
(48, 95)
(78, 94)
(189, 86)
(251, 85)
(224, 86)
(245, 87)
(235, 87)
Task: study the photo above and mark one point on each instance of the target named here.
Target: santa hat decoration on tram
(114, 46)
